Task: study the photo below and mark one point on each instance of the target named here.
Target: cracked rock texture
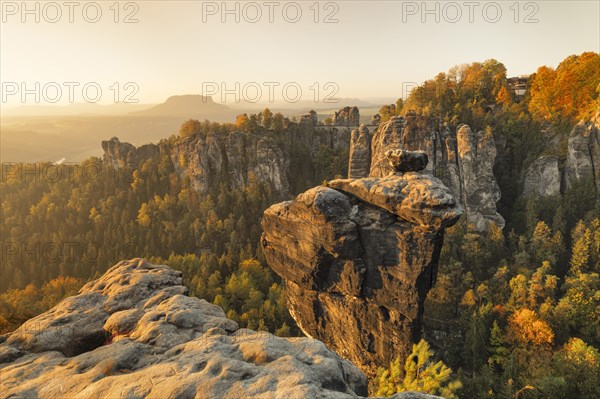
(134, 333)
(358, 258)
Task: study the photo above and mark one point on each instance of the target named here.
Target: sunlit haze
(177, 47)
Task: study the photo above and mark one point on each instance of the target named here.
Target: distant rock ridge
(134, 333)
(463, 160)
(186, 106)
(235, 157)
(359, 255)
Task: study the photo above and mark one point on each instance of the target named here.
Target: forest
(515, 313)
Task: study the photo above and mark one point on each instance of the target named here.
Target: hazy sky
(373, 49)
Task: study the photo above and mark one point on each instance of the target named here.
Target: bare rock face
(583, 159)
(360, 153)
(358, 258)
(389, 136)
(210, 159)
(121, 155)
(542, 177)
(135, 334)
(479, 189)
(234, 158)
(347, 116)
(464, 161)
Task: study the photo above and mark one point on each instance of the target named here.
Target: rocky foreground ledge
(134, 333)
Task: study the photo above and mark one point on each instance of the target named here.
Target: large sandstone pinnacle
(360, 255)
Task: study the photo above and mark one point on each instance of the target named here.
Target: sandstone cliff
(233, 158)
(463, 161)
(211, 158)
(479, 192)
(359, 257)
(544, 177)
(135, 334)
(360, 153)
(583, 158)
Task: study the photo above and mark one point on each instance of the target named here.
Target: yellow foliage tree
(527, 328)
(420, 374)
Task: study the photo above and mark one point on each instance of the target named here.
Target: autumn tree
(190, 127)
(504, 96)
(420, 374)
(242, 122)
(267, 118)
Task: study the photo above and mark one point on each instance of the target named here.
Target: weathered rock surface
(135, 334)
(479, 189)
(389, 136)
(210, 159)
(542, 177)
(347, 116)
(583, 158)
(360, 153)
(121, 155)
(464, 161)
(358, 258)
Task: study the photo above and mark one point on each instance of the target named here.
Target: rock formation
(583, 158)
(479, 190)
(347, 116)
(209, 159)
(463, 161)
(542, 177)
(375, 119)
(545, 177)
(121, 155)
(134, 333)
(359, 256)
(389, 136)
(360, 153)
